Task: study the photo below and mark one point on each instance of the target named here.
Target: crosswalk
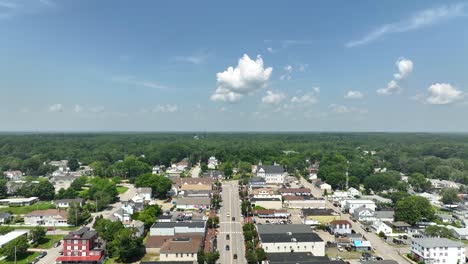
(230, 232)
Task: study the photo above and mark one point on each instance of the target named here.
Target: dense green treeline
(443, 156)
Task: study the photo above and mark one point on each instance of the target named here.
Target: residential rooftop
(437, 242)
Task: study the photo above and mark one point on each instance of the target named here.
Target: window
(68, 247)
(76, 241)
(176, 255)
(83, 248)
(69, 241)
(75, 248)
(192, 255)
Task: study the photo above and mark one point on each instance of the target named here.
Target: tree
(438, 231)
(149, 215)
(107, 228)
(158, 183)
(78, 183)
(396, 196)
(73, 164)
(413, 209)
(380, 182)
(227, 170)
(419, 182)
(204, 167)
(69, 193)
(37, 234)
(19, 244)
(77, 215)
(126, 245)
(44, 190)
(211, 257)
(449, 196)
(3, 188)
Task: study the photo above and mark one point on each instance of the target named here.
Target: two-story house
(438, 250)
(340, 227)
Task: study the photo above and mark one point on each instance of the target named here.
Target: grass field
(21, 210)
(49, 240)
(22, 259)
(121, 189)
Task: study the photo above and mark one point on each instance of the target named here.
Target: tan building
(180, 249)
(267, 203)
(318, 216)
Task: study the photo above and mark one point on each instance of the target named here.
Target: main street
(231, 208)
(382, 249)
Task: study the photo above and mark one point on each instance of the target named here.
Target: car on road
(227, 248)
(228, 215)
(56, 244)
(42, 254)
(235, 256)
(227, 237)
(233, 218)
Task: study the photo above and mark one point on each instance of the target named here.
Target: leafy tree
(449, 196)
(6, 229)
(130, 167)
(79, 183)
(212, 221)
(3, 188)
(19, 244)
(107, 228)
(211, 257)
(44, 190)
(396, 196)
(37, 234)
(158, 183)
(438, 231)
(227, 169)
(69, 193)
(204, 167)
(77, 215)
(413, 209)
(419, 182)
(251, 257)
(126, 245)
(149, 215)
(380, 182)
(73, 164)
(104, 191)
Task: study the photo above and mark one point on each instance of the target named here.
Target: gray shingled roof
(278, 229)
(437, 242)
(271, 169)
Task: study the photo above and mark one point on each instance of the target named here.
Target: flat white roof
(4, 239)
(9, 200)
(360, 201)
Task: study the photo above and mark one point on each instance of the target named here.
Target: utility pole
(15, 254)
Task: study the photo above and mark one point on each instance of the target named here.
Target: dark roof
(290, 237)
(278, 229)
(165, 217)
(257, 179)
(82, 233)
(271, 168)
(318, 212)
(5, 214)
(264, 199)
(190, 224)
(299, 258)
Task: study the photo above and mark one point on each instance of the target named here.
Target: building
(300, 202)
(181, 165)
(13, 175)
(385, 215)
(267, 203)
(351, 205)
(180, 249)
(145, 192)
(318, 216)
(325, 187)
(438, 250)
(5, 218)
(213, 174)
(264, 193)
(196, 184)
(212, 163)
(49, 217)
(19, 201)
(272, 213)
(363, 214)
(190, 203)
(443, 184)
(154, 243)
(340, 227)
(65, 203)
(256, 182)
(8, 237)
(156, 169)
(82, 246)
(383, 227)
(138, 225)
(353, 192)
(299, 257)
(178, 228)
(294, 191)
(446, 218)
(313, 170)
(290, 238)
(273, 174)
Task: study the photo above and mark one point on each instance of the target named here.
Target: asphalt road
(381, 248)
(195, 171)
(231, 208)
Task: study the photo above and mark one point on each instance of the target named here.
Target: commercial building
(176, 228)
(8, 237)
(180, 249)
(318, 216)
(49, 217)
(65, 203)
(438, 250)
(351, 205)
(273, 174)
(82, 246)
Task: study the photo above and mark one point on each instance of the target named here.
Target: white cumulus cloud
(77, 108)
(168, 108)
(405, 67)
(443, 93)
(288, 69)
(392, 87)
(273, 98)
(248, 76)
(354, 95)
(56, 108)
(418, 20)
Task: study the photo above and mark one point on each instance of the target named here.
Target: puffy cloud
(316, 89)
(418, 20)
(56, 108)
(273, 98)
(405, 67)
(306, 99)
(443, 93)
(354, 95)
(392, 87)
(168, 108)
(249, 76)
(77, 108)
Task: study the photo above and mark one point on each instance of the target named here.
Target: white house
(353, 192)
(380, 226)
(273, 174)
(212, 163)
(325, 187)
(138, 225)
(438, 250)
(5, 217)
(49, 217)
(65, 203)
(351, 205)
(13, 175)
(341, 227)
(145, 193)
(363, 214)
(176, 228)
(156, 169)
(288, 238)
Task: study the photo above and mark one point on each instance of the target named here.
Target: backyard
(21, 210)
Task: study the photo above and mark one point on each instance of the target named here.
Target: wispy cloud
(12, 8)
(56, 108)
(138, 82)
(419, 20)
(197, 58)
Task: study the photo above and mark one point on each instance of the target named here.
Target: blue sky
(209, 66)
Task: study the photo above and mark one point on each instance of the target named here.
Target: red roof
(78, 258)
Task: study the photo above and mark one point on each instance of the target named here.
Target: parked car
(233, 218)
(235, 256)
(227, 248)
(42, 254)
(56, 244)
(227, 237)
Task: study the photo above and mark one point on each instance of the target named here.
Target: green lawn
(49, 240)
(21, 210)
(121, 189)
(22, 259)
